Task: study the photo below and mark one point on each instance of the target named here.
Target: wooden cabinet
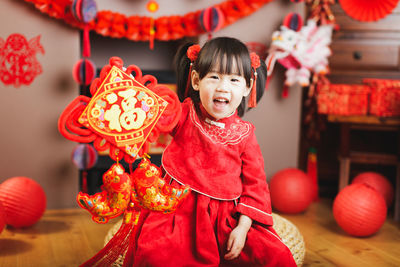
(359, 50)
(365, 49)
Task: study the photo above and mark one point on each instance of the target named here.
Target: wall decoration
(136, 28)
(367, 11)
(18, 63)
(301, 52)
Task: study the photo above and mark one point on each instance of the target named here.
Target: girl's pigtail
(182, 66)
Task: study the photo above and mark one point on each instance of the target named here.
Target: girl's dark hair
(225, 52)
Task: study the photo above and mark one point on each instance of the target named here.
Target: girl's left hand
(237, 238)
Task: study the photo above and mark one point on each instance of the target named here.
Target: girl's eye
(213, 76)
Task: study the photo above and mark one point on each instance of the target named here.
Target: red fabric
(196, 235)
(206, 150)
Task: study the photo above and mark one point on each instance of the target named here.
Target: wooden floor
(69, 237)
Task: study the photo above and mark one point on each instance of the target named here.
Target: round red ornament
(211, 19)
(84, 71)
(24, 201)
(291, 190)
(2, 218)
(359, 210)
(379, 182)
(84, 156)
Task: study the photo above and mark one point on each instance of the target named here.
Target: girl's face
(220, 94)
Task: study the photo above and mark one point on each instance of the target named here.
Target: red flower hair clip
(193, 52)
(255, 60)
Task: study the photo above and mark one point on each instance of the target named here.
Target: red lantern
(293, 21)
(84, 71)
(2, 218)
(24, 201)
(359, 210)
(211, 19)
(377, 182)
(291, 190)
(84, 156)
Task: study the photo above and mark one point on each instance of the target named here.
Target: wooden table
(348, 156)
(69, 237)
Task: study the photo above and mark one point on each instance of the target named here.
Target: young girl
(226, 219)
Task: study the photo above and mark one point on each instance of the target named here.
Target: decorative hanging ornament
(321, 12)
(123, 115)
(293, 21)
(84, 71)
(84, 156)
(371, 10)
(18, 63)
(211, 19)
(152, 6)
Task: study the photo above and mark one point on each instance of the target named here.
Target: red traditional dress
(222, 163)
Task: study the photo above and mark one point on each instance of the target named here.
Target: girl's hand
(237, 238)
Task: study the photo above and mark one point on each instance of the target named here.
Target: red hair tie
(255, 63)
(192, 53)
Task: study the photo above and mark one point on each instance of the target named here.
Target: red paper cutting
(18, 63)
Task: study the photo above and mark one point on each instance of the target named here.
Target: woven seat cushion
(289, 233)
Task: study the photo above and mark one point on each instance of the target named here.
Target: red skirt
(196, 235)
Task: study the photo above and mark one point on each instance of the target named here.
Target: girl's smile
(220, 94)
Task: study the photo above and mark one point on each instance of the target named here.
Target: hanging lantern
(84, 10)
(152, 6)
(211, 19)
(84, 156)
(84, 71)
(293, 21)
(371, 10)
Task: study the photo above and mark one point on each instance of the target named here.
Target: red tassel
(116, 247)
(86, 41)
(152, 33)
(253, 93)
(84, 182)
(312, 171)
(285, 92)
(188, 81)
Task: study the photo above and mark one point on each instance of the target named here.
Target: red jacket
(220, 159)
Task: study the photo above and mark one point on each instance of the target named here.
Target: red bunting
(136, 28)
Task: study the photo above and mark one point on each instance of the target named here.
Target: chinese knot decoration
(123, 115)
(18, 63)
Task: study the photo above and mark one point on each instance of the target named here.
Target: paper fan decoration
(371, 10)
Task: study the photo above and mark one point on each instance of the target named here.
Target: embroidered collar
(218, 124)
(221, 123)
